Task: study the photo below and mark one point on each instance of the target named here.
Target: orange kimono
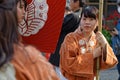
(29, 64)
(77, 62)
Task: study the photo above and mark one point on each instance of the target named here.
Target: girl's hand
(97, 52)
(101, 39)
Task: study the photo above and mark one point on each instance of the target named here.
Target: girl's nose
(23, 10)
(87, 22)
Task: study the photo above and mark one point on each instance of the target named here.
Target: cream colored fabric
(7, 72)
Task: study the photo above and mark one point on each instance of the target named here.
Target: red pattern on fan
(36, 17)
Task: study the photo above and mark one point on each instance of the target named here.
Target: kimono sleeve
(109, 59)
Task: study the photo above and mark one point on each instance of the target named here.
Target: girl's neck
(84, 34)
(87, 36)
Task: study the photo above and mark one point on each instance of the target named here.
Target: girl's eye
(21, 6)
(84, 18)
(91, 18)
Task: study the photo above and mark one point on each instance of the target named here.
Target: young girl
(80, 49)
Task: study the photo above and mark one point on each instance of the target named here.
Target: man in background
(76, 6)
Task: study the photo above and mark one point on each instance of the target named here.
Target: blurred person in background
(116, 39)
(76, 6)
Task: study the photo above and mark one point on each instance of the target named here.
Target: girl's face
(20, 11)
(88, 24)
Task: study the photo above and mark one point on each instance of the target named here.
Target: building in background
(109, 5)
(109, 11)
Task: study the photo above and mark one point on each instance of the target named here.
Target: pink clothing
(29, 64)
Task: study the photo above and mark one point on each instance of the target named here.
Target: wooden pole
(100, 14)
(100, 29)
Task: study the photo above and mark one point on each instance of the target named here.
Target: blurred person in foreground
(19, 61)
(81, 48)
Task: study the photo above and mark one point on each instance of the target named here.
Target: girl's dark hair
(25, 2)
(8, 30)
(90, 12)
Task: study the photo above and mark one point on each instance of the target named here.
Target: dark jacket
(70, 23)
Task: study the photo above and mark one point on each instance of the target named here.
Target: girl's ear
(96, 29)
(97, 23)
